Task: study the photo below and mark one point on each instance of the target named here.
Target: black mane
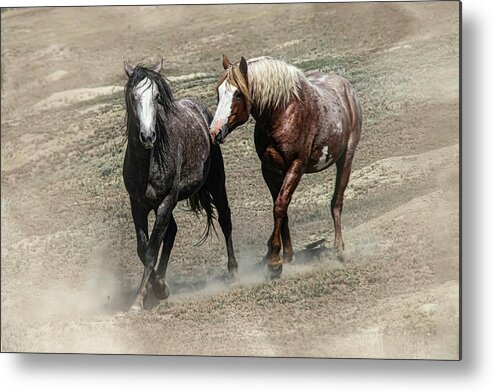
(139, 73)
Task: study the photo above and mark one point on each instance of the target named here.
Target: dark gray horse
(169, 157)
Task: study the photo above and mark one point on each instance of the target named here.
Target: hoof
(232, 269)
(233, 274)
(274, 272)
(161, 289)
(136, 308)
(288, 259)
(339, 247)
(261, 263)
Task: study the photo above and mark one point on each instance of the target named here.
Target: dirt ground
(68, 253)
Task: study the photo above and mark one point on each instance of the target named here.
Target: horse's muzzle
(148, 139)
(221, 135)
(148, 145)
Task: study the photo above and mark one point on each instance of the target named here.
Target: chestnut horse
(304, 124)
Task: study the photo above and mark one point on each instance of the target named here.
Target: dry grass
(66, 225)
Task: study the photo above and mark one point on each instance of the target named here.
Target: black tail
(202, 202)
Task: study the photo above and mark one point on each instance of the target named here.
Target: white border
(113, 373)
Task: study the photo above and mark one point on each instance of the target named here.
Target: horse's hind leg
(216, 185)
(160, 287)
(343, 165)
(224, 218)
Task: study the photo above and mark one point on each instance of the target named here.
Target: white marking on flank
(223, 111)
(324, 160)
(339, 126)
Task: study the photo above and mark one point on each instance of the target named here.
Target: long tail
(199, 203)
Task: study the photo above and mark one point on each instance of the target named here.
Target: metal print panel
(151, 157)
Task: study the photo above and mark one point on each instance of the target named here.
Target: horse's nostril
(149, 137)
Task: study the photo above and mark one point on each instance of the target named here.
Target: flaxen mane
(271, 83)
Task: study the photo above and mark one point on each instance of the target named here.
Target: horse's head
(143, 94)
(233, 100)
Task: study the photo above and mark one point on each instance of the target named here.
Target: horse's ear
(226, 62)
(243, 66)
(128, 68)
(157, 67)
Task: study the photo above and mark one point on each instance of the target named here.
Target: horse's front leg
(139, 215)
(163, 216)
(291, 181)
(274, 181)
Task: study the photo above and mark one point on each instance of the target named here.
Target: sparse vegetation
(67, 231)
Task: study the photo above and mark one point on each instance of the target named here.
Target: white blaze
(146, 110)
(223, 111)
